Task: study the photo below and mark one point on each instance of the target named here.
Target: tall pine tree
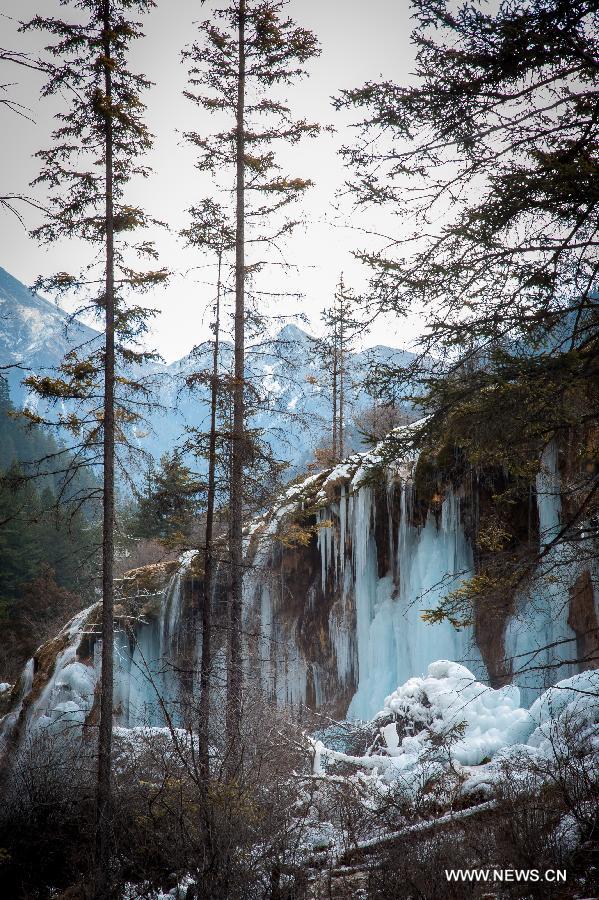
(333, 349)
(247, 51)
(98, 147)
(490, 162)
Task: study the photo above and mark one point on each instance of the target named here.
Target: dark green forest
(48, 538)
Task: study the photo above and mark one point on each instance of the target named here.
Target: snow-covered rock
(450, 717)
(450, 696)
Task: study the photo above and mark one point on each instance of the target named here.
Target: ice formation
(539, 636)
(393, 642)
(61, 698)
(64, 700)
(145, 674)
(449, 719)
(378, 566)
(376, 630)
(491, 718)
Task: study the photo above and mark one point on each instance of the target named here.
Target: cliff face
(340, 572)
(340, 613)
(584, 621)
(339, 616)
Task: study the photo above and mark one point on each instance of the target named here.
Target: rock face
(583, 620)
(340, 572)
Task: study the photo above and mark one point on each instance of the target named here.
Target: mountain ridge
(284, 370)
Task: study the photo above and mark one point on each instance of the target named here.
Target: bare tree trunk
(335, 366)
(103, 822)
(235, 677)
(204, 704)
(341, 371)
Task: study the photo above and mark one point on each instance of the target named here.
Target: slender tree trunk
(234, 685)
(103, 823)
(335, 361)
(206, 663)
(341, 375)
(205, 667)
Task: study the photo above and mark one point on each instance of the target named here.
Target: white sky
(360, 41)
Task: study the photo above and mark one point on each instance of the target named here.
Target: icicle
(341, 639)
(342, 527)
(322, 548)
(394, 642)
(539, 636)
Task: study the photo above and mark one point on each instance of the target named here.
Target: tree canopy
(490, 163)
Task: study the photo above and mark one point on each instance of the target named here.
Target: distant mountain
(284, 372)
(34, 333)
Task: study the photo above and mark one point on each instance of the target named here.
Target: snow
(483, 729)
(450, 696)
(571, 706)
(571, 696)
(568, 833)
(145, 892)
(270, 386)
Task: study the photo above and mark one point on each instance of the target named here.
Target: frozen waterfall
(333, 622)
(538, 638)
(392, 641)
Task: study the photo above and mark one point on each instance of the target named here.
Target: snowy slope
(34, 333)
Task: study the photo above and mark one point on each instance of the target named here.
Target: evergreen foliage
(246, 53)
(170, 506)
(341, 327)
(47, 548)
(490, 162)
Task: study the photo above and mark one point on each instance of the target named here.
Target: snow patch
(483, 729)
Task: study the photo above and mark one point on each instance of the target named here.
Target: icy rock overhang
(316, 491)
(341, 565)
(140, 592)
(57, 689)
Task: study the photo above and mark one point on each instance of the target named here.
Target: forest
(299, 450)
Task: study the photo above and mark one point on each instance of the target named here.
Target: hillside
(283, 370)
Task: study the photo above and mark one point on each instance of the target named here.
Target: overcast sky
(360, 41)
